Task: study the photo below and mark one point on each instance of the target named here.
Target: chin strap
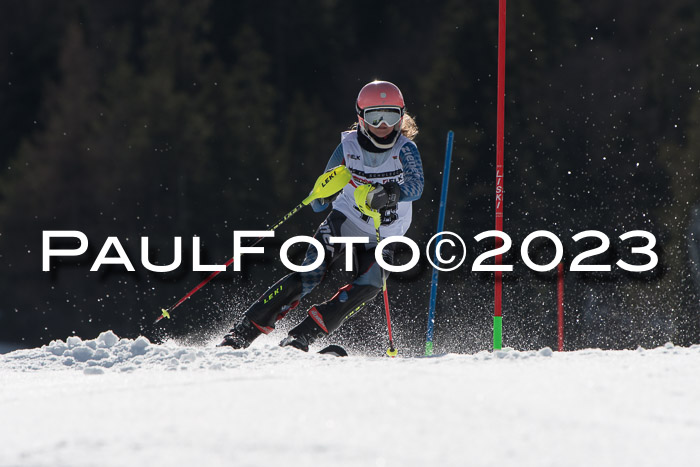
(381, 143)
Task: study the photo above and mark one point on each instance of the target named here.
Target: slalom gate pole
(440, 226)
(560, 306)
(497, 315)
(326, 185)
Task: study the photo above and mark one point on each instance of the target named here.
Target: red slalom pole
(560, 305)
(497, 315)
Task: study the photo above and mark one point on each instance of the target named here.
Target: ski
(334, 350)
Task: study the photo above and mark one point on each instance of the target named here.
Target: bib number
(389, 216)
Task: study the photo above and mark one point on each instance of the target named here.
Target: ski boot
(325, 318)
(304, 334)
(262, 315)
(241, 335)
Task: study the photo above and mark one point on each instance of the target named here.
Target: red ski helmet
(380, 102)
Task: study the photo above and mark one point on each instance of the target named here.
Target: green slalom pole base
(428, 348)
(497, 332)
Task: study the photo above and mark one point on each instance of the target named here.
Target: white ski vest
(394, 222)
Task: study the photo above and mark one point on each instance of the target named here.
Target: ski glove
(330, 199)
(384, 196)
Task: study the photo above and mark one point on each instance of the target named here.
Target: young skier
(378, 150)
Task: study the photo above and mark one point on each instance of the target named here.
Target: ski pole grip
(329, 183)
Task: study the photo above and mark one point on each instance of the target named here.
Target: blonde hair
(409, 127)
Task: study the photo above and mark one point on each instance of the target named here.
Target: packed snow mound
(109, 352)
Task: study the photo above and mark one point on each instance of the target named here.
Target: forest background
(162, 119)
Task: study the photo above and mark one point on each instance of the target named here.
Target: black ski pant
(286, 293)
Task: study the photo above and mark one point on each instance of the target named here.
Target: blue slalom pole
(441, 224)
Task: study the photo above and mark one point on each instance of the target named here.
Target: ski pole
(361, 193)
(391, 351)
(326, 185)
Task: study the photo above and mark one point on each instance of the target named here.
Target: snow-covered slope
(112, 401)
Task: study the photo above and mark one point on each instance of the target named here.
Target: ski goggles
(378, 115)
